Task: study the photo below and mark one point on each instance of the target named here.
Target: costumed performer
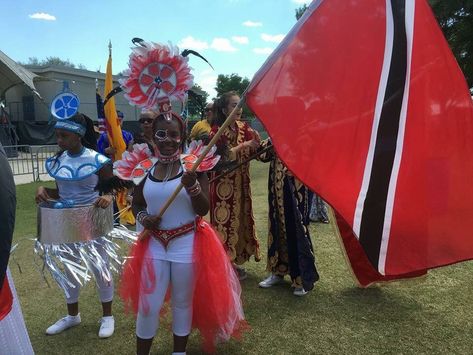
(231, 205)
(14, 337)
(179, 250)
(290, 250)
(146, 134)
(83, 177)
(318, 209)
(201, 130)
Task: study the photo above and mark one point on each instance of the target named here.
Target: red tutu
(217, 309)
(131, 286)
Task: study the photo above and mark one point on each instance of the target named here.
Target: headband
(71, 126)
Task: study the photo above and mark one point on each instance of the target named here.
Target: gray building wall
(23, 105)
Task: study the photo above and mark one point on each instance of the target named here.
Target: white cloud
(207, 79)
(302, 2)
(191, 43)
(265, 50)
(241, 39)
(42, 16)
(272, 38)
(222, 45)
(252, 24)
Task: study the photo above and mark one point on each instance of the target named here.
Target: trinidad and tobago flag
(366, 104)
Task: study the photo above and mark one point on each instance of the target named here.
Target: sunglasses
(146, 120)
(162, 134)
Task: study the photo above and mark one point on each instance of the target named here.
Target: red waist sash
(164, 236)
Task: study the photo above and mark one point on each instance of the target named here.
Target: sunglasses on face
(162, 135)
(146, 120)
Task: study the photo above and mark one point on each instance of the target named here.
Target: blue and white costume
(76, 178)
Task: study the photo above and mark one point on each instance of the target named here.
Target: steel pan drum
(73, 224)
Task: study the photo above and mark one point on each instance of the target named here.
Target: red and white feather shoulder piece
(135, 165)
(193, 153)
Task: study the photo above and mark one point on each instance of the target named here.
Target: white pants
(104, 287)
(181, 277)
(14, 339)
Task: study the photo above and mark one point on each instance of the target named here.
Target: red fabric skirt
(217, 309)
(6, 298)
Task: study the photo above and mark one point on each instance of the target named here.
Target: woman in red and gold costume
(231, 210)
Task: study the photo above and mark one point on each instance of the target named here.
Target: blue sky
(236, 36)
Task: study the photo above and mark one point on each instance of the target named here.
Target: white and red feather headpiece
(158, 75)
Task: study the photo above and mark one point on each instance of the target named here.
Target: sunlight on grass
(432, 315)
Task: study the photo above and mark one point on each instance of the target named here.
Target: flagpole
(230, 119)
(226, 172)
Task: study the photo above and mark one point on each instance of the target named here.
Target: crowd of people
(170, 256)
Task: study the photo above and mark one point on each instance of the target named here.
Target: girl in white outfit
(78, 172)
(179, 251)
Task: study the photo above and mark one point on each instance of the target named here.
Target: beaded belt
(164, 236)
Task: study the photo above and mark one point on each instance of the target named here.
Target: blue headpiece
(63, 107)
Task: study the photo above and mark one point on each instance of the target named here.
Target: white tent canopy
(12, 73)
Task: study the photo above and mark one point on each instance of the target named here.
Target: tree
(231, 82)
(197, 101)
(455, 17)
(56, 61)
(300, 11)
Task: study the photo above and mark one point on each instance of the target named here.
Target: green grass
(432, 315)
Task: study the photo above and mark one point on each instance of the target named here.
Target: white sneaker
(271, 281)
(63, 324)
(299, 291)
(107, 327)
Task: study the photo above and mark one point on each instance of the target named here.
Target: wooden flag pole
(230, 119)
(226, 172)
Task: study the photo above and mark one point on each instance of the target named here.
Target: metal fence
(29, 159)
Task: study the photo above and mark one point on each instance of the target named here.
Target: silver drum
(74, 224)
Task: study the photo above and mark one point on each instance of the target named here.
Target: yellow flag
(114, 130)
(115, 138)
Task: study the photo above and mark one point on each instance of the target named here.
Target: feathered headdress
(157, 76)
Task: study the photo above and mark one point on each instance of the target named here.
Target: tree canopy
(300, 11)
(231, 82)
(197, 102)
(455, 17)
(56, 61)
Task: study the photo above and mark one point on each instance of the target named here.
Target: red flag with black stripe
(366, 104)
